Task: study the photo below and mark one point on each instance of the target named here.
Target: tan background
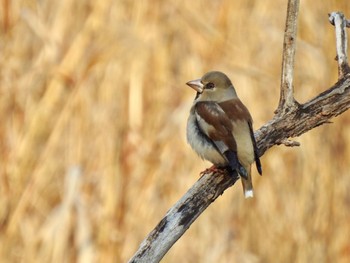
(100, 85)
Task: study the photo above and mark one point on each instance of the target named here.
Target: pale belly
(202, 145)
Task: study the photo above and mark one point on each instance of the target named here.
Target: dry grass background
(92, 136)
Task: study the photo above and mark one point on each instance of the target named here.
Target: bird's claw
(212, 169)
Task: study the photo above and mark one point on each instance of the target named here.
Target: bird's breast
(201, 144)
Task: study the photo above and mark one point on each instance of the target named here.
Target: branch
(291, 120)
(312, 114)
(179, 218)
(287, 100)
(338, 20)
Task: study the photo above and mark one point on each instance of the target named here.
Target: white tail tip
(248, 194)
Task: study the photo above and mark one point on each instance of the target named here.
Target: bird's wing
(236, 110)
(214, 123)
(256, 155)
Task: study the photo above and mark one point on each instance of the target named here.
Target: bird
(220, 128)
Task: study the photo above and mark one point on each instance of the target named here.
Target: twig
(287, 101)
(338, 20)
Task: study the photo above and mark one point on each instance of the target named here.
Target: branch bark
(291, 120)
(287, 100)
(180, 217)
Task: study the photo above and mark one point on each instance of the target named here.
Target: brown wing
(236, 110)
(256, 155)
(216, 125)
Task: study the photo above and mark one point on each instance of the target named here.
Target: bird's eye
(210, 85)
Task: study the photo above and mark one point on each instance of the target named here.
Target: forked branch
(291, 120)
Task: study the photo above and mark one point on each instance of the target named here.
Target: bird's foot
(212, 169)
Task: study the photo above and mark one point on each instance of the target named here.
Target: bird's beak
(196, 84)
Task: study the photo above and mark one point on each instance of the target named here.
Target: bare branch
(179, 218)
(292, 120)
(312, 114)
(338, 20)
(287, 100)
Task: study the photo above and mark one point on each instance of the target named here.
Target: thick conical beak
(196, 84)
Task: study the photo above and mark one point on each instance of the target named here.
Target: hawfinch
(220, 128)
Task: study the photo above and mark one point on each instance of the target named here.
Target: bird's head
(213, 86)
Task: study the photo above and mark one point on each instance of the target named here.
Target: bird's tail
(247, 184)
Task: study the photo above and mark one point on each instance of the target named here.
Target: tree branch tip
(331, 17)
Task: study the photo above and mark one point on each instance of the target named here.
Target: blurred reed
(93, 152)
